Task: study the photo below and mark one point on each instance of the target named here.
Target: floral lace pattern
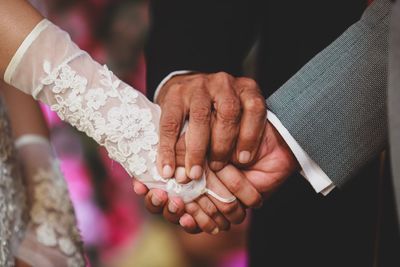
(12, 194)
(115, 116)
(91, 98)
(125, 129)
(53, 215)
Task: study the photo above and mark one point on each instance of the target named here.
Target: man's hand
(206, 213)
(274, 163)
(226, 116)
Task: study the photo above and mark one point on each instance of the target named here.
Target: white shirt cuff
(310, 170)
(166, 79)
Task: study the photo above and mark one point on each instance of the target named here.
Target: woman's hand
(205, 214)
(275, 162)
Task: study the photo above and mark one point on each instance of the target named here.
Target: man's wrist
(309, 169)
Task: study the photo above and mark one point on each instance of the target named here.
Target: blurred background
(116, 229)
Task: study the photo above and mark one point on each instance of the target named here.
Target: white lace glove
(50, 67)
(51, 238)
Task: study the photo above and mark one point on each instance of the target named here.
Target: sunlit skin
(14, 28)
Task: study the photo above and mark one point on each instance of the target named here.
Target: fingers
(180, 171)
(174, 209)
(234, 212)
(239, 186)
(213, 213)
(189, 224)
(204, 222)
(139, 188)
(226, 119)
(253, 120)
(180, 150)
(171, 120)
(195, 93)
(155, 200)
(180, 175)
(198, 133)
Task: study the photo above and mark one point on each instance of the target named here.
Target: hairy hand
(226, 117)
(274, 163)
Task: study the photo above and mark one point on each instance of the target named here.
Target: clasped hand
(229, 138)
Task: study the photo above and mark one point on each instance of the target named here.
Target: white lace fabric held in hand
(49, 66)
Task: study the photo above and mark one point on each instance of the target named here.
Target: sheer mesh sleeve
(51, 237)
(88, 96)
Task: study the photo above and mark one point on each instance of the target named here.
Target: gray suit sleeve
(335, 106)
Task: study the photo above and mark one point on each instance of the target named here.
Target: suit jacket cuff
(310, 170)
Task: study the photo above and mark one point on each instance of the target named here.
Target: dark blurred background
(116, 229)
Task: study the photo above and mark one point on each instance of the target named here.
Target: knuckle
(235, 185)
(229, 110)
(174, 89)
(220, 152)
(255, 105)
(170, 126)
(248, 141)
(172, 97)
(192, 209)
(221, 77)
(229, 208)
(166, 150)
(196, 151)
(210, 209)
(197, 81)
(254, 200)
(200, 114)
(248, 83)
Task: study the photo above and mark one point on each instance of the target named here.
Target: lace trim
(111, 116)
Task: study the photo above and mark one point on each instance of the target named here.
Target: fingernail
(167, 171)
(215, 231)
(181, 222)
(196, 172)
(136, 190)
(180, 174)
(216, 165)
(155, 201)
(172, 207)
(244, 157)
